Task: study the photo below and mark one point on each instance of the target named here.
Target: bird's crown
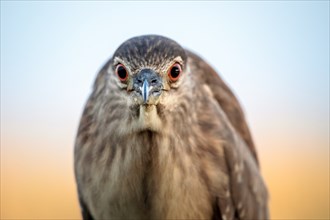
(149, 51)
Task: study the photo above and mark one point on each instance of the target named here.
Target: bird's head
(146, 73)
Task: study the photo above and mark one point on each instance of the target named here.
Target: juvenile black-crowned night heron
(163, 137)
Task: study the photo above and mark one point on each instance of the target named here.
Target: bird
(162, 136)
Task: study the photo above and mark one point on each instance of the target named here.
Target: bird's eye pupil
(121, 72)
(175, 72)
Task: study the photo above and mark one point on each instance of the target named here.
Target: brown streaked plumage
(163, 137)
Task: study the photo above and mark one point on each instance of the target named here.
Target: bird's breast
(150, 176)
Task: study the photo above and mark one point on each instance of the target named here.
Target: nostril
(154, 81)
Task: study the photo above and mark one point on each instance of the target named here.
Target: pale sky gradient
(274, 55)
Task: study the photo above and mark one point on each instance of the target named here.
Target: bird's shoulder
(220, 116)
(223, 95)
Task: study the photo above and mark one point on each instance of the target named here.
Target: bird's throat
(149, 118)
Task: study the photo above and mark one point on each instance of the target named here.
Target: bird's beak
(149, 85)
(145, 91)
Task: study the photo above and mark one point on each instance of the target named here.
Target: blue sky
(275, 55)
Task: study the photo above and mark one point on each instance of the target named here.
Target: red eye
(174, 72)
(121, 72)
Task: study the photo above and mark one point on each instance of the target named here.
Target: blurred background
(273, 54)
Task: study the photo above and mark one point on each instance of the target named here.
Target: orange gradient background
(274, 55)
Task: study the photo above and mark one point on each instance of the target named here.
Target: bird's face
(148, 72)
(147, 83)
